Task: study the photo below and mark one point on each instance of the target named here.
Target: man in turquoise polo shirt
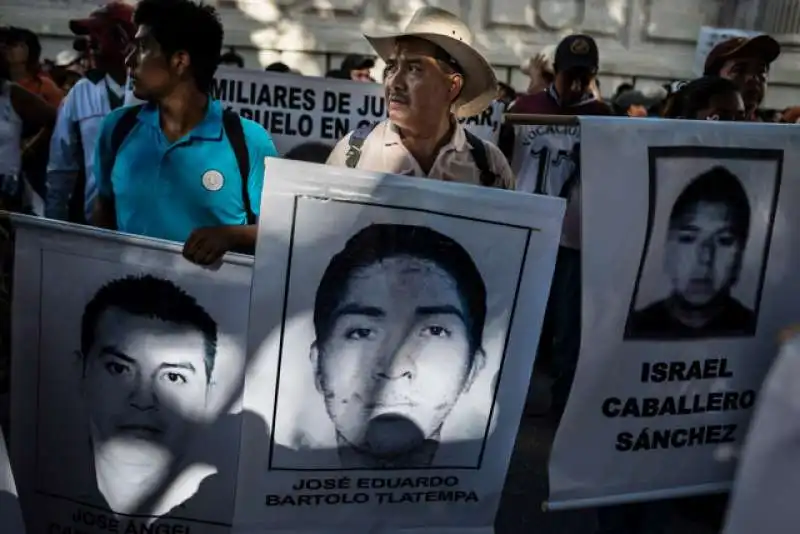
(179, 167)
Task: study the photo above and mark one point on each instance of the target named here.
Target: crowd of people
(71, 150)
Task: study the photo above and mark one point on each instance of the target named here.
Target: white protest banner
(688, 258)
(10, 513)
(125, 358)
(764, 497)
(545, 152)
(399, 336)
(710, 37)
(299, 110)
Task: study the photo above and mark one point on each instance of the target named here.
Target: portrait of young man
(707, 234)
(148, 352)
(398, 340)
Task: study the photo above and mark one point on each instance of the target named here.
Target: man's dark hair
(379, 242)
(278, 67)
(31, 41)
(337, 74)
(313, 152)
(151, 297)
(623, 88)
(231, 58)
(184, 25)
(697, 95)
(508, 90)
(720, 186)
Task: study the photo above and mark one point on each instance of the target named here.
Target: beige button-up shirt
(383, 151)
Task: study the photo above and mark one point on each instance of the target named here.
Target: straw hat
(448, 32)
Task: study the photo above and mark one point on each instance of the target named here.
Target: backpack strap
(121, 130)
(478, 151)
(233, 129)
(356, 142)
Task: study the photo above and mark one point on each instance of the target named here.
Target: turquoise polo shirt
(167, 190)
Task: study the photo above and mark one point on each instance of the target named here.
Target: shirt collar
(209, 128)
(458, 141)
(585, 99)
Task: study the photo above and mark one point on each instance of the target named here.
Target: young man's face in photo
(703, 253)
(144, 381)
(398, 355)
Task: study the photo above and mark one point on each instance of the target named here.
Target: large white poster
(764, 497)
(394, 332)
(126, 358)
(687, 261)
(10, 513)
(309, 115)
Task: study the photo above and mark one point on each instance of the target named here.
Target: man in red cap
(745, 62)
(71, 187)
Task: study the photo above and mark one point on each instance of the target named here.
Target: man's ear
(313, 355)
(180, 62)
(456, 86)
(478, 363)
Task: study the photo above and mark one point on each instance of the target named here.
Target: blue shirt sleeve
(64, 164)
(259, 146)
(103, 160)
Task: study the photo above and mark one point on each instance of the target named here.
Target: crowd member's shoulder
(499, 166)
(111, 120)
(539, 103)
(259, 140)
(338, 156)
(597, 107)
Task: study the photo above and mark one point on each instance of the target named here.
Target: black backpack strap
(233, 129)
(123, 127)
(478, 151)
(356, 141)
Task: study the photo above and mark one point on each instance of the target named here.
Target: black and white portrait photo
(711, 218)
(402, 347)
(137, 369)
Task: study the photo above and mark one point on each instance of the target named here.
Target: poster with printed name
(397, 332)
(309, 115)
(127, 364)
(10, 512)
(546, 154)
(768, 477)
(687, 258)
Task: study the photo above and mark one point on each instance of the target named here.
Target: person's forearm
(245, 236)
(60, 185)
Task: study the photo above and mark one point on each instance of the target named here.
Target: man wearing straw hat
(433, 76)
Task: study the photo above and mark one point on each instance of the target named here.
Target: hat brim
(761, 46)
(480, 81)
(82, 26)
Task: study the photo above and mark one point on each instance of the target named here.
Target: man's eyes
(436, 331)
(116, 368)
(173, 377)
(359, 334)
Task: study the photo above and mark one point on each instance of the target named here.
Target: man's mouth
(398, 99)
(140, 431)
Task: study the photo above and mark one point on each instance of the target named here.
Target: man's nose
(397, 364)
(706, 253)
(143, 395)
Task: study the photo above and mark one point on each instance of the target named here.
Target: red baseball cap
(111, 13)
(762, 47)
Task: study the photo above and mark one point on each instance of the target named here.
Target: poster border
(654, 153)
(529, 230)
